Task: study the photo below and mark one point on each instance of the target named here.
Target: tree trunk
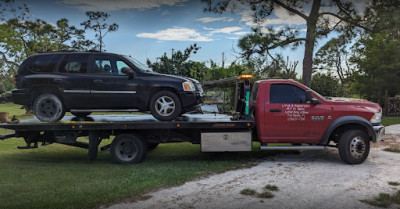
(310, 42)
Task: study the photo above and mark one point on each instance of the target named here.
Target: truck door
(290, 119)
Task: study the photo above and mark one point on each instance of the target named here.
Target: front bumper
(191, 99)
(379, 132)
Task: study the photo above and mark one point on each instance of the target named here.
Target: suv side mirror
(127, 71)
(310, 99)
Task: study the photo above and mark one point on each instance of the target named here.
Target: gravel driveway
(311, 179)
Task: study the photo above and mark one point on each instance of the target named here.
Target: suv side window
(74, 63)
(286, 93)
(43, 64)
(104, 64)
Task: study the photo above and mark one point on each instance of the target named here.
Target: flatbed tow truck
(271, 114)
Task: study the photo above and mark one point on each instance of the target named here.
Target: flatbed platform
(135, 134)
(130, 122)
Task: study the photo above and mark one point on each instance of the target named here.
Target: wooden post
(386, 102)
(3, 117)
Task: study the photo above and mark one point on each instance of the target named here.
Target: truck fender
(347, 120)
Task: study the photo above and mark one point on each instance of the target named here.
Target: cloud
(281, 17)
(241, 33)
(214, 19)
(227, 30)
(114, 5)
(176, 34)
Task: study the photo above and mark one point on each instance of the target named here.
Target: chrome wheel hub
(165, 106)
(357, 147)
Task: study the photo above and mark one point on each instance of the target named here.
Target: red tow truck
(275, 112)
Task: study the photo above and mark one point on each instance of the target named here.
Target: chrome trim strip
(104, 110)
(114, 92)
(77, 91)
(99, 92)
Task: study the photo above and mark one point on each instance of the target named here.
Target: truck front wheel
(128, 149)
(354, 146)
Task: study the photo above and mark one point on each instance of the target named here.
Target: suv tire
(165, 106)
(354, 146)
(48, 108)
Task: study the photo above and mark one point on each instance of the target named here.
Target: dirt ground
(311, 179)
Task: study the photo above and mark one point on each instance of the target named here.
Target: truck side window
(286, 93)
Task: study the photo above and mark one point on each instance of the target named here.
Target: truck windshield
(138, 64)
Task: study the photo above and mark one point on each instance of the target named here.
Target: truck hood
(352, 101)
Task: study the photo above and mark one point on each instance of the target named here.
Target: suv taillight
(15, 80)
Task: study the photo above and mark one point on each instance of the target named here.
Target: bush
(2, 88)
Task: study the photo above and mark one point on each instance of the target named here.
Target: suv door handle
(275, 110)
(58, 80)
(98, 81)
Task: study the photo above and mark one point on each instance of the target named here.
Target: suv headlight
(377, 117)
(188, 86)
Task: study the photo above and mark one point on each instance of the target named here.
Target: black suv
(84, 82)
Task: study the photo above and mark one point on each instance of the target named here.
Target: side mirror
(127, 71)
(310, 99)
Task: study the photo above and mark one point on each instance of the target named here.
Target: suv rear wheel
(165, 106)
(48, 108)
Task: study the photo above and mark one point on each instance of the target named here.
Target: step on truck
(272, 113)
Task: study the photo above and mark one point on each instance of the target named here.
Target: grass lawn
(390, 120)
(59, 176)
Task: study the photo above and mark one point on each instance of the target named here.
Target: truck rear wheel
(354, 146)
(128, 149)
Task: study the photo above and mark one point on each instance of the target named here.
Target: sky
(148, 28)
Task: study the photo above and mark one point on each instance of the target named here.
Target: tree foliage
(21, 36)
(97, 23)
(326, 84)
(334, 57)
(320, 20)
(378, 53)
(179, 63)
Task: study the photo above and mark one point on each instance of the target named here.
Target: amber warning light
(245, 77)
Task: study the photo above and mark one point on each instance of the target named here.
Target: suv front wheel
(165, 106)
(48, 108)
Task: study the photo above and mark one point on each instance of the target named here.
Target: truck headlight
(377, 117)
(188, 86)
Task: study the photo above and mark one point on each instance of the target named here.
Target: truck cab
(286, 111)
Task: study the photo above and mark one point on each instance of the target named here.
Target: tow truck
(279, 114)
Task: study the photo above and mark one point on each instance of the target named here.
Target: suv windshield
(139, 65)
